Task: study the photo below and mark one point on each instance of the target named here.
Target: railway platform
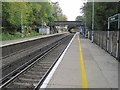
(9, 42)
(83, 65)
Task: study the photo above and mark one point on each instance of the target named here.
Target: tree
(58, 14)
(12, 12)
(102, 10)
(33, 14)
(80, 18)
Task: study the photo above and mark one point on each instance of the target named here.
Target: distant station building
(44, 29)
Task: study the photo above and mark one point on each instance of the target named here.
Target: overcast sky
(71, 8)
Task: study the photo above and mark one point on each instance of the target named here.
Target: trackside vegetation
(29, 16)
(102, 10)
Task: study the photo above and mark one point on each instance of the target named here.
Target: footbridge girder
(70, 24)
(80, 23)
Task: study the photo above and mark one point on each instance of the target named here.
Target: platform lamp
(93, 22)
(22, 21)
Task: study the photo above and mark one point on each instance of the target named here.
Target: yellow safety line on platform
(83, 71)
(9, 42)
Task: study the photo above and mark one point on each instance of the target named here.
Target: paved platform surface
(101, 68)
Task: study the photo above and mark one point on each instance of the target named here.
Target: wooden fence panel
(100, 38)
(114, 43)
(104, 40)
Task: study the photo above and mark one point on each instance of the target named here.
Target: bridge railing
(108, 42)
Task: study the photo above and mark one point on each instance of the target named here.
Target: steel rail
(20, 70)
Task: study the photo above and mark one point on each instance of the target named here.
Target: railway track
(33, 75)
(19, 50)
(10, 64)
(15, 48)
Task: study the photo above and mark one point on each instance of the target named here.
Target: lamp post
(43, 23)
(22, 21)
(93, 22)
(119, 37)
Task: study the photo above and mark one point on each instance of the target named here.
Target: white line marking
(45, 83)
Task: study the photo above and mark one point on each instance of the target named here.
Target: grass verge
(8, 36)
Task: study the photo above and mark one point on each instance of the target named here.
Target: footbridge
(70, 24)
(76, 23)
